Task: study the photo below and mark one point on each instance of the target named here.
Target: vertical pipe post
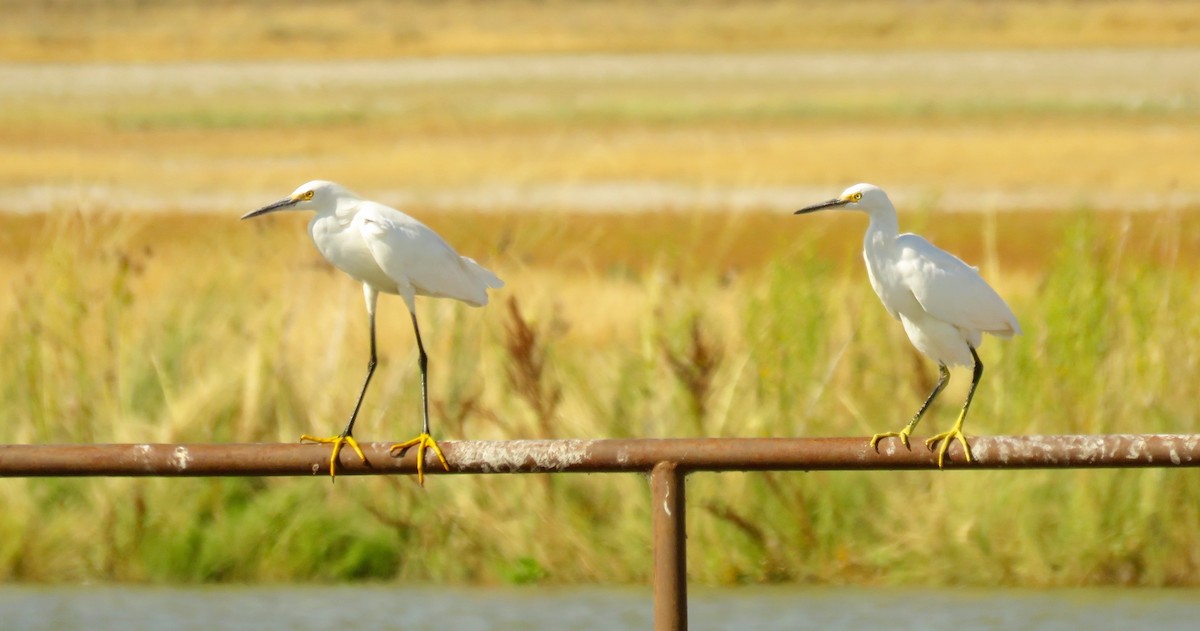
(670, 547)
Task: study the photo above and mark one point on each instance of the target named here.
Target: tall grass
(182, 329)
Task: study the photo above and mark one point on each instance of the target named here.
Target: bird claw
(420, 442)
(945, 438)
(902, 435)
(338, 442)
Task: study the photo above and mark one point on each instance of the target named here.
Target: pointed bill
(279, 205)
(833, 203)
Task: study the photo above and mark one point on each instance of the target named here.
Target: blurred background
(630, 170)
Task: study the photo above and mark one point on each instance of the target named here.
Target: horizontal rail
(600, 456)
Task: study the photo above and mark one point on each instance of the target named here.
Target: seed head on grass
(527, 353)
(694, 367)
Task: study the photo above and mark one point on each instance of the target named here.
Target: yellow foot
(421, 442)
(337, 442)
(945, 438)
(902, 435)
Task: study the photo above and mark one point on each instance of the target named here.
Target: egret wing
(416, 257)
(952, 291)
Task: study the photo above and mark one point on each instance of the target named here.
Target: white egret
(390, 252)
(943, 303)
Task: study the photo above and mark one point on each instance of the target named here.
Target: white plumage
(943, 303)
(389, 252)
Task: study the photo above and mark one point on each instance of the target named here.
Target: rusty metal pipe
(599, 456)
(667, 460)
(667, 495)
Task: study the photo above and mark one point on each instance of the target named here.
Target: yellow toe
(945, 439)
(421, 442)
(338, 442)
(902, 435)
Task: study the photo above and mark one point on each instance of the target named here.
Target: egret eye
(309, 195)
(855, 197)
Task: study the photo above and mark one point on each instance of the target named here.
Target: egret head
(865, 197)
(315, 195)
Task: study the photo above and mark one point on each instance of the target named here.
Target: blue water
(375, 607)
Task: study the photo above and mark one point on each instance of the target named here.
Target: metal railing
(668, 461)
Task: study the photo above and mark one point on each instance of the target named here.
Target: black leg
(424, 440)
(366, 382)
(956, 433)
(943, 379)
(423, 362)
(975, 376)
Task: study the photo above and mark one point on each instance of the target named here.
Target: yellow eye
(855, 197)
(309, 194)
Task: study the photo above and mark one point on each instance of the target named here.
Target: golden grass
(128, 31)
(1090, 161)
(620, 247)
(179, 328)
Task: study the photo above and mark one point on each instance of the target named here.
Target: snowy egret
(943, 303)
(390, 252)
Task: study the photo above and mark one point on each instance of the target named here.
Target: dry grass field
(629, 169)
(126, 30)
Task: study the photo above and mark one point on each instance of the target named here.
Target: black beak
(283, 203)
(815, 207)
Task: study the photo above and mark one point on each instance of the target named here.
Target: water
(375, 607)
